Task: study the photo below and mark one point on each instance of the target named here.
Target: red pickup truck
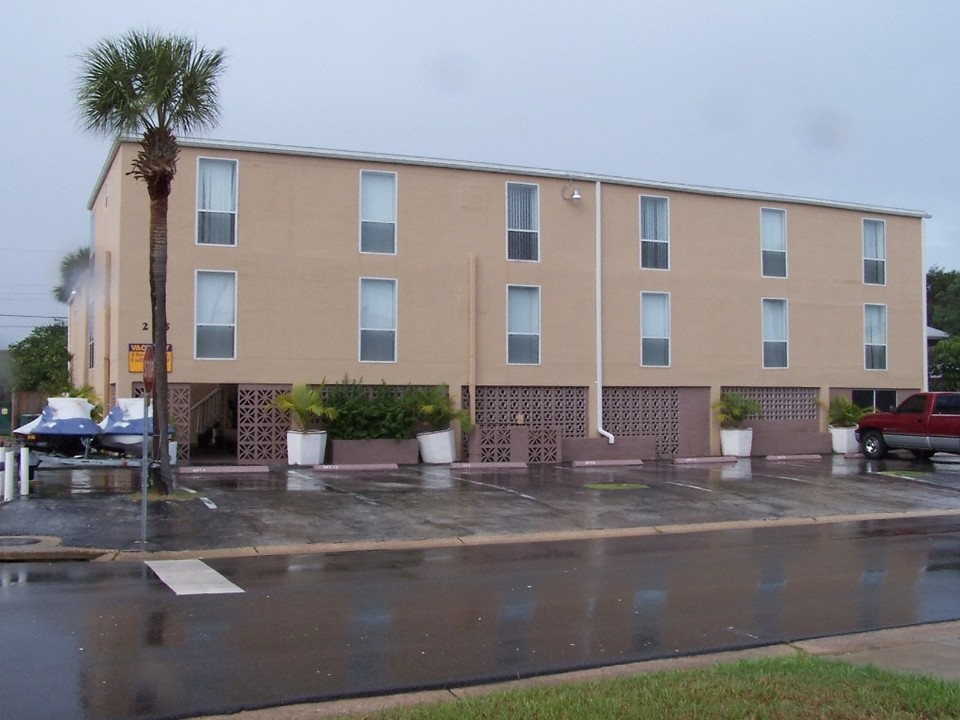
(924, 423)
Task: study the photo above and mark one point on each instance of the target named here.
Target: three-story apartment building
(600, 316)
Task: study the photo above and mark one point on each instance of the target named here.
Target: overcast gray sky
(851, 100)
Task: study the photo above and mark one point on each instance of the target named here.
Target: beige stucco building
(576, 308)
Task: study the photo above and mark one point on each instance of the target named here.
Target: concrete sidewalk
(91, 514)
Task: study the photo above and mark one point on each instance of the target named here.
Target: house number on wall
(146, 326)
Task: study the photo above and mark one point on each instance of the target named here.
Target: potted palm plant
(435, 413)
(733, 409)
(842, 417)
(306, 440)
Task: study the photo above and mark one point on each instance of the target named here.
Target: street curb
(56, 552)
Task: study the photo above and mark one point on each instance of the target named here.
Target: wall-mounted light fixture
(571, 192)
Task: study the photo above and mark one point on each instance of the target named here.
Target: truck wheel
(873, 446)
(922, 454)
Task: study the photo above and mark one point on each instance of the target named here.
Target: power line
(36, 317)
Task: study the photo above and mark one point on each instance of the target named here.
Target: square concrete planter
(438, 447)
(306, 448)
(843, 440)
(736, 442)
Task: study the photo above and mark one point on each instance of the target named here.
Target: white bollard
(24, 471)
(9, 465)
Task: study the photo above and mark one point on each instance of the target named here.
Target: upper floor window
(216, 202)
(655, 329)
(378, 320)
(378, 212)
(775, 333)
(523, 325)
(773, 242)
(215, 315)
(654, 232)
(874, 252)
(523, 222)
(875, 337)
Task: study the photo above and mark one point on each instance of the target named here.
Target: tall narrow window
(875, 337)
(215, 315)
(523, 222)
(774, 333)
(378, 320)
(217, 202)
(655, 329)
(523, 325)
(654, 233)
(91, 315)
(773, 242)
(874, 252)
(378, 212)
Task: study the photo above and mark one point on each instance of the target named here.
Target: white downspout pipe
(598, 289)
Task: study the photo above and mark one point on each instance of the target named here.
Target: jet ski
(122, 428)
(64, 427)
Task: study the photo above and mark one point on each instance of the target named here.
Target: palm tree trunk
(158, 303)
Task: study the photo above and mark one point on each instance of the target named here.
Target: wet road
(114, 641)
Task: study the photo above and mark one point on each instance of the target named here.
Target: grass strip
(800, 686)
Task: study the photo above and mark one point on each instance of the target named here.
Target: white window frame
(766, 246)
(870, 342)
(360, 325)
(644, 296)
(538, 334)
(234, 200)
(881, 258)
(196, 297)
(785, 340)
(391, 221)
(658, 241)
(536, 221)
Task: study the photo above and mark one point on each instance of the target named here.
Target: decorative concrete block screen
(545, 415)
(650, 411)
(178, 405)
(261, 430)
(782, 403)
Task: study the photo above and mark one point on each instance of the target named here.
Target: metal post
(9, 465)
(144, 464)
(24, 471)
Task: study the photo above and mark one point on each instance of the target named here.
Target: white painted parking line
(209, 503)
(192, 577)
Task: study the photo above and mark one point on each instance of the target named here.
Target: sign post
(149, 376)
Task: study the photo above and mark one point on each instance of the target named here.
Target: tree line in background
(943, 313)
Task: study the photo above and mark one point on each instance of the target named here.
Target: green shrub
(369, 412)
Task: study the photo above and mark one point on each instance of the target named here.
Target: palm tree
(152, 85)
(74, 269)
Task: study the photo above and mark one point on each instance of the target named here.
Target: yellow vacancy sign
(135, 353)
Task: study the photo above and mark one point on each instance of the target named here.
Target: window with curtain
(378, 320)
(875, 337)
(774, 333)
(378, 212)
(523, 222)
(773, 242)
(215, 315)
(216, 202)
(874, 252)
(654, 233)
(523, 325)
(655, 329)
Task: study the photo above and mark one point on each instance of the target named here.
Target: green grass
(799, 686)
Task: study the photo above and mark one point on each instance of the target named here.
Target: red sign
(149, 369)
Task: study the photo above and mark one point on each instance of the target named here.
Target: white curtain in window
(874, 243)
(875, 325)
(217, 189)
(215, 298)
(772, 229)
(377, 197)
(377, 311)
(522, 207)
(655, 320)
(523, 310)
(653, 218)
(775, 320)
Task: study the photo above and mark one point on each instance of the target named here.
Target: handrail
(207, 412)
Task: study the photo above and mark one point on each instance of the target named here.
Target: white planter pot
(843, 441)
(306, 448)
(736, 442)
(438, 447)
